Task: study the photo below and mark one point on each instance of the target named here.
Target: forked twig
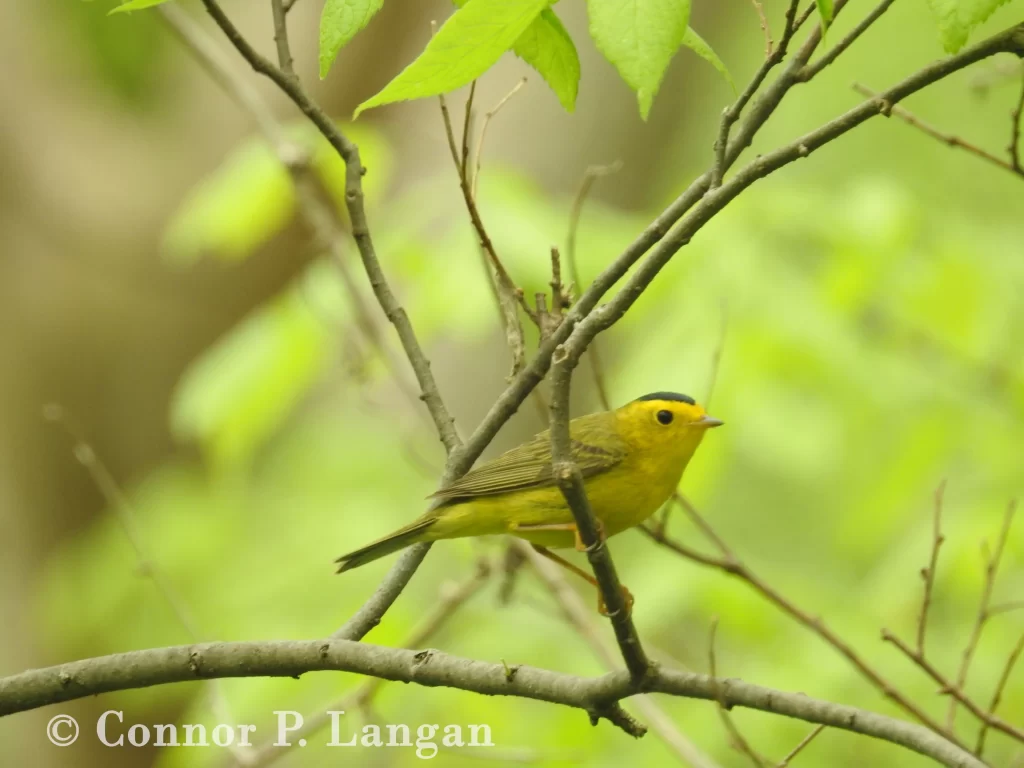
(984, 614)
(997, 694)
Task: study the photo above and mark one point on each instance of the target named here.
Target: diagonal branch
(731, 564)
(948, 139)
(810, 70)
(955, 691)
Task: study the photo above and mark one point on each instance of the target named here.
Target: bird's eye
(665, 417)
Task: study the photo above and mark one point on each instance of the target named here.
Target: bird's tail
(400, 539)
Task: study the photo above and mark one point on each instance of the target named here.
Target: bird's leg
(627, 596)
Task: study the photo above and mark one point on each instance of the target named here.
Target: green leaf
(826, 10)
(639, 38)
(698, 45)
(958, 18)
(547, 47)
(339, 23)
(470, 41)
(135, 5)
(240, 390)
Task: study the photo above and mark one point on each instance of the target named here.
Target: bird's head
(665, 421)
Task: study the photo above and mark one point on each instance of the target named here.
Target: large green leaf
(957, 18)
(639, 37)
(472, 39)
(136, 5)
(698, 45)
(547, 47)
(339, 23)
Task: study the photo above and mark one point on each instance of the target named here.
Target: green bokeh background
(866, 302)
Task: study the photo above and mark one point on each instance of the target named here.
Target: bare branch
(731, 564)
(141, 669)
(946, 138)
(1015, 121)
(759, 7)
(928, 572)
(991, 569)
(738, 742)
(451, 598)
(810, 70)
(581, 618)
(997, 694)
(784, 762)
(360, 228)
(507, 292)
(570, 482)
(126, 517)
(284, 53)
(483, 129)
(954, 690)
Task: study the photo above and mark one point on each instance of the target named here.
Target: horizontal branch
(157, 666)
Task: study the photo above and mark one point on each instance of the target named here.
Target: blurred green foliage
(873, 346)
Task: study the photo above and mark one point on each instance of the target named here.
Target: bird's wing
(596, 448)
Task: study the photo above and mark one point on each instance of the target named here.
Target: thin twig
(731, 564)
(732, 113)
(955, 691)
(948, 139)
(145, 564)
(354, 199)
(312, 206)
(466, 120)
(997, 694)
(488, 116)
(592, 174)
(810, 70)
(581, 618)
(759, 7)
(784, 762)
(570, 482)
(289, 4)
(1015, 121)
(450, 599)
(928, 572)
(508, 293)
(284, 52)
(736, 738)
(991, 570)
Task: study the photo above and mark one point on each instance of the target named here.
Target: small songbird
(631, 460)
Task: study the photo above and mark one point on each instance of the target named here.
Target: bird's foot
(627, 600)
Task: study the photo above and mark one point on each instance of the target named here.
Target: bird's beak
(709, 421)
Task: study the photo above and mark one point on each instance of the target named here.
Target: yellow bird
(631, 460)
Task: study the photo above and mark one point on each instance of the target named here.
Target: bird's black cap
(670, 396)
